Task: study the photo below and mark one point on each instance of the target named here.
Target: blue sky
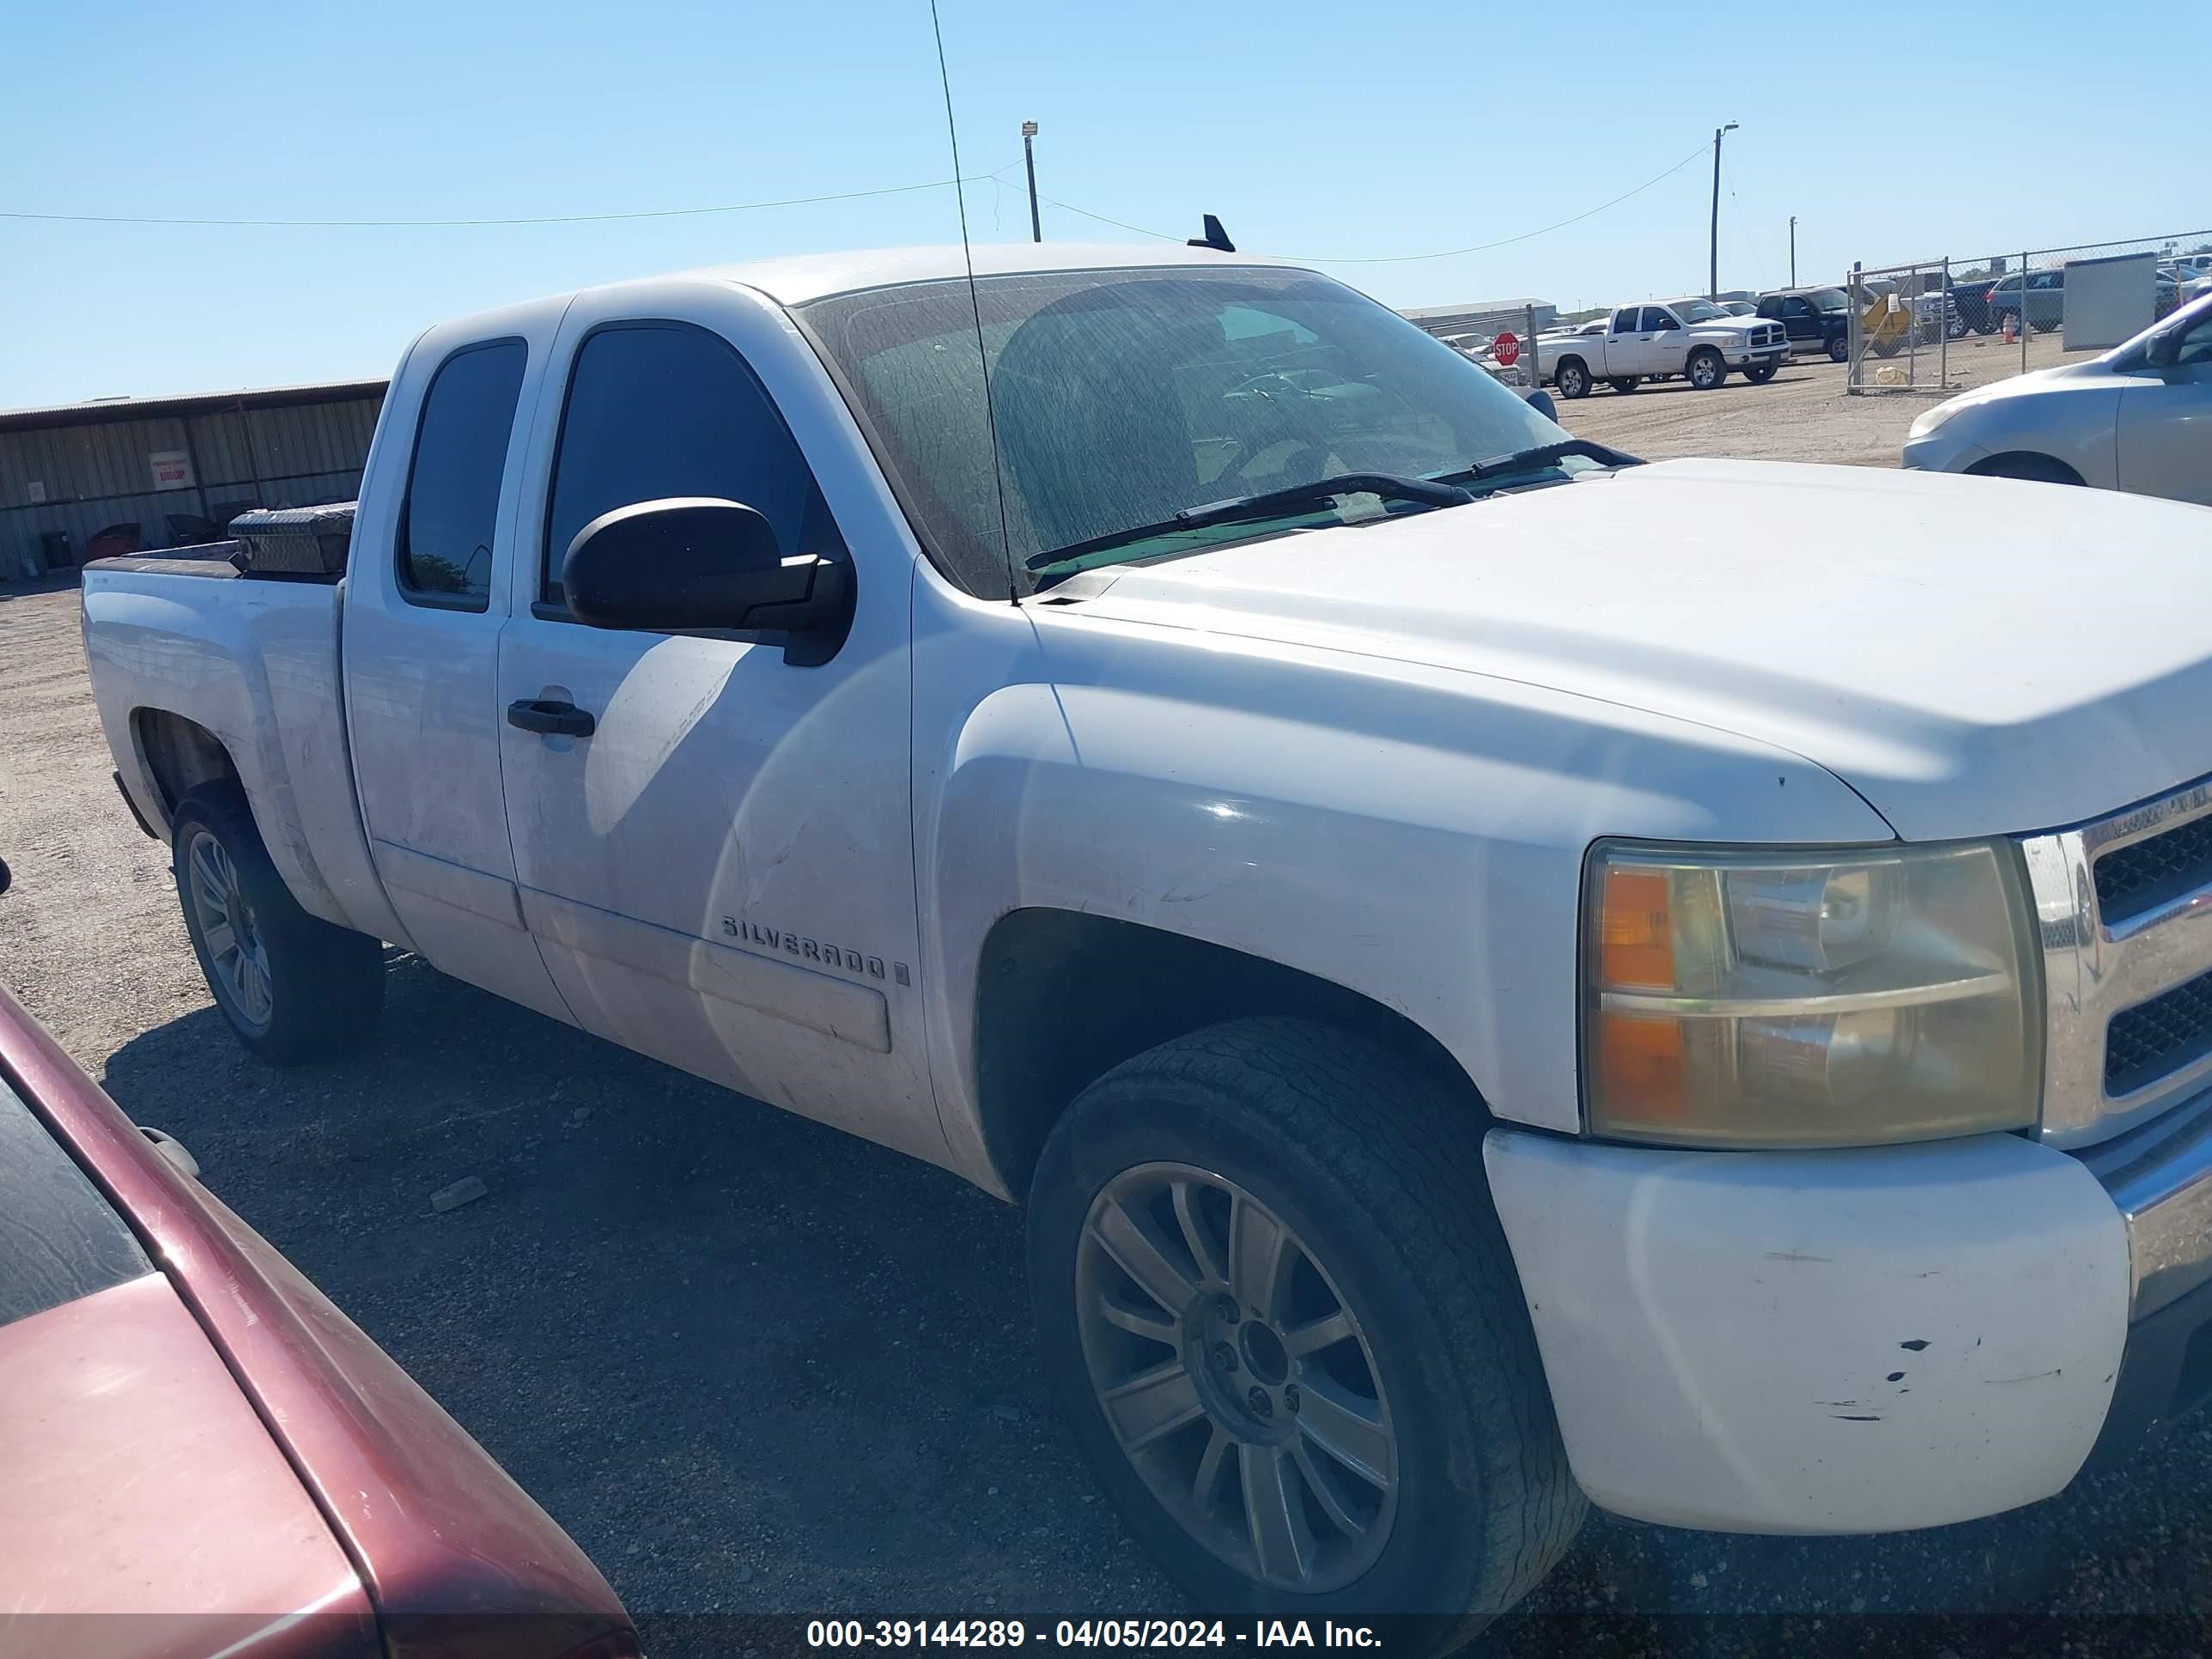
(1316, 130)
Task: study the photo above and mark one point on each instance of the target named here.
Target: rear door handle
(550, 719)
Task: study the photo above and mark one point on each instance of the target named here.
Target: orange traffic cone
(2012, 328)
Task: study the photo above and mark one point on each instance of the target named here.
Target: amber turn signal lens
(1636, 930)
(1640, 1061)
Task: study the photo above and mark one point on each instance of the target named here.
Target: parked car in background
(1971, 297)
(2039, 297)
(2045, 304)
(1739, 307)
(2138, 418)
(1691, 337)
(1816, 321)
(200, 1455)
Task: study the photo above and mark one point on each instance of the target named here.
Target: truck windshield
(1696, 311)
(1121, 398)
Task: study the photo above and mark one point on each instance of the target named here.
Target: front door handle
(550, 719)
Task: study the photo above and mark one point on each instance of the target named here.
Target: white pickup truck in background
(1503, 973)
(1693, 338)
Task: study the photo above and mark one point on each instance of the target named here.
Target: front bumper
(1941, 452)
(1745, 357)
(1864, 1341)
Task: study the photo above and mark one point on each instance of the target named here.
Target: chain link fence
(1949, 324)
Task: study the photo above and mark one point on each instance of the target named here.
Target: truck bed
(187, 653)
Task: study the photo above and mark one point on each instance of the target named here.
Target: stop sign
(1506, 348)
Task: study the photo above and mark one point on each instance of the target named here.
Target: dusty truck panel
(259, 673)
(1706, 960)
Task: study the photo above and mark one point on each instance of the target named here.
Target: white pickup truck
(1503, 974)
(1693, 338)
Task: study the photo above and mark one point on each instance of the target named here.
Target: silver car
(2138, 418)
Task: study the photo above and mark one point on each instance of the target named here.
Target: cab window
(1623, 320)
(451, 515)
(657, 410)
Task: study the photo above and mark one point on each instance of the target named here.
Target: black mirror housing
(696, 562)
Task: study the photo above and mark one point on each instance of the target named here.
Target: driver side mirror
(695, 562)
(2162, 348)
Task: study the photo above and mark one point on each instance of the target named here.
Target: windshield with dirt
(1122, 398)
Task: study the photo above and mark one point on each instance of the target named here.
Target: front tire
(1706, 369)
(1623, 384)
(1275, 1303)
(1572, 379)
(1760, 374)
(294, 988)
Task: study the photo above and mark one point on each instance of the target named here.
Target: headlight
(1929, 420)
(1758, 999)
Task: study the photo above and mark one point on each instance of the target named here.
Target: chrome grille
(2152, 1039)
(2124, 909)
(2131, 879)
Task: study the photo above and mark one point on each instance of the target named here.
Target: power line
(449, 224)
(1743, 230)
(1403, 258)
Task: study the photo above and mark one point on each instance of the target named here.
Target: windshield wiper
(1541, 455)
(1389, 485)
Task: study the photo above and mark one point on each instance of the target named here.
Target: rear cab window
(60, 1239)
(450, 517)
(1623, 320)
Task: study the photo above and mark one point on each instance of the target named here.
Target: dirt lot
(755, 1366)
(1803, 414)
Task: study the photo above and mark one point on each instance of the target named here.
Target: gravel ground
(1803, 414)
(755, 1366)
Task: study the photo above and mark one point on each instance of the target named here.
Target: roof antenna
(976, 305)
(1215, 237)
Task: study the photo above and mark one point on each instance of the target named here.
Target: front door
(720, 874)
(2166, 423)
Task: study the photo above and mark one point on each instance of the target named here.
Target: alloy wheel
(238, 956)
(1235, 1378)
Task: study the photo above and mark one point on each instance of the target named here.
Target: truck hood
(1974, 656)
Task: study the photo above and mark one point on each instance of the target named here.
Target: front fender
(1413, 834)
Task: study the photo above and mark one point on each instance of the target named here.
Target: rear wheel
(1572, 378)
(1706, 369)
(1276, 1305)
(1839, 349)
(1623, 384)
(293, 986)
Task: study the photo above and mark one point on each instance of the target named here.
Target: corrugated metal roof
(102, 411)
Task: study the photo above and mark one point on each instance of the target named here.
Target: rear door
(423, 611)
(720, 874)
(1624, 343)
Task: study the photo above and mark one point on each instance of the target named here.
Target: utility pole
(1713, 269)
(1793, 250)
(1029, 156)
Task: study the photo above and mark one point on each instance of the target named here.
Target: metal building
(82, 481)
